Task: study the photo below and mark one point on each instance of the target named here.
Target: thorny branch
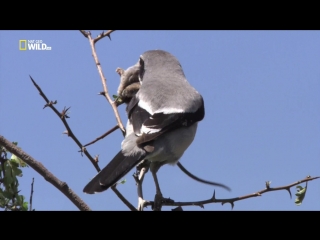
(63, 115)
(232, 200)
(48, 176)
(92, 42)
(100, 36)
(113, 104)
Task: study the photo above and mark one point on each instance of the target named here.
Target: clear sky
(262, 100)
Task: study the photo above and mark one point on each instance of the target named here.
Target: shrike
(162, 119)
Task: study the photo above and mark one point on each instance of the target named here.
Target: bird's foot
(141, 204)
(159, 200)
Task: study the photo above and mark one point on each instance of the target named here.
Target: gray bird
(162, 120)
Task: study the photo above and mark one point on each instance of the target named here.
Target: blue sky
(262, 99)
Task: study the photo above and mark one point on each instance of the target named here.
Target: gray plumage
(162, 118)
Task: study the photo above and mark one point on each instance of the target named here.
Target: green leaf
(8, 194)
(123, 181)
(25, 206)
(8, 179)
(19, 200)
(18, 161)
(17, 172)
(301, 193)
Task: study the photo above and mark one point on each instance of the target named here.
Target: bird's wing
(149, 126)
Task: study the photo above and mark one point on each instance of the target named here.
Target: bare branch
(102, 35)
(85, 34)
(48, 176)
(104, 80)
(232, 200)
(103, 135)
(122, 198)
(63, 116)
(69, 132)
(31, 195)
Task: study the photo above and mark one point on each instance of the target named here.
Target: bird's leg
(155, 178)
(158, 199)
(142, 169)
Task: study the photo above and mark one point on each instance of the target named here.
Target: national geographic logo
(33, 45)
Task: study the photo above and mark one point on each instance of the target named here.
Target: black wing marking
(159, 122)
(162, 123)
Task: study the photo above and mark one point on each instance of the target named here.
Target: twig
(232, 200)
(103, 79)
(31, 195)
(102, 136)
(102, 35)
(105, 93)
(45, 173)
(85, 34)
(63, 115)
(122, 198)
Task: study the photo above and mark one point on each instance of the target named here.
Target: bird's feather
(117, 168)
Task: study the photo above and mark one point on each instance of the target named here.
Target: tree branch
(45, 173)
(31, 195)
(122, 198)
(103, 135)
(63, 115)
(232, 200)
(103, 79)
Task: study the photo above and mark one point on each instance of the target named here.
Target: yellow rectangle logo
(21, 47)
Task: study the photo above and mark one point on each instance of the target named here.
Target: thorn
(80, 151)
(268, 184)
(109, 36)
(32, 80)
(64, 113)
(177, 209)
(288, 189)
(214, 195)
(101, 93)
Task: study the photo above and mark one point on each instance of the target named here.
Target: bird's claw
(159, 200)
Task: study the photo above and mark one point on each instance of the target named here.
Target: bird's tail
(119, 166)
